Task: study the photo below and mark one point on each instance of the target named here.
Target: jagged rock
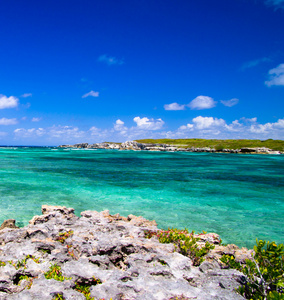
(110, 254)
(10, 223)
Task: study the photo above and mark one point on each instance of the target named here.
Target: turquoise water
(239, 197)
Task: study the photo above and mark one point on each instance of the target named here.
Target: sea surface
(240, 197)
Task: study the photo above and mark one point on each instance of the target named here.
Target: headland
(192, 145)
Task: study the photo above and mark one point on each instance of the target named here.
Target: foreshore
(133, 145)
(111, 257)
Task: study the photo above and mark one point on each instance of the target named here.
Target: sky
(107, 70)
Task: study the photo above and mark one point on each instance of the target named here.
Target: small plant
(264, 273)
(55, 273)
(23, 262)
(29, 279)
(58, 297)
(84, 288)
(64, 235)
(70, 252)
(184, 242)
(2, 264)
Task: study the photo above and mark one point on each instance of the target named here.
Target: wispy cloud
(36, 119)
(26, 95)
(254, 63)
(230, 102)
(202, 102)
(174, 106)
(276, 76)
(275, 3)
(92, 94)
(110, 60)
(5, 121)
(8, 102)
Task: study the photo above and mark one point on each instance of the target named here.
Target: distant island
(269, 146)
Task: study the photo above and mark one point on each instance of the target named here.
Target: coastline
(134, 145)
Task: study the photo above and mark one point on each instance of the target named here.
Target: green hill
(218, 144)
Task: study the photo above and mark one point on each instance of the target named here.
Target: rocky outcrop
(133, 145)
(107, 255)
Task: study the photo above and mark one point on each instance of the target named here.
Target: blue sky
(93, 71)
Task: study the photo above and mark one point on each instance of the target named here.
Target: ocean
(240, 197)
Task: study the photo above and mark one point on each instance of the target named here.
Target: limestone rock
(110, 255)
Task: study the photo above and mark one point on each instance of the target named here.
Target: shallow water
(239, 197)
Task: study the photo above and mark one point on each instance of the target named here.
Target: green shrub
(264, 273)
(185, 243)
(55, 273)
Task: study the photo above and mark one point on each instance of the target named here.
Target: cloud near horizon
(276, 76)
(199, 127)
(92, 94)
(8, 102)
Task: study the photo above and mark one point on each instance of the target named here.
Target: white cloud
(119, 122)
(254, 63)
(36, 119)
(91, 93)
(5, 121)
(276, 76)
(230, 102)
(8, 102)
(148, 124)
(202, 102)
(119, 126)
(267, 127)
(187, 127)
(207, 122)
(26, 95)
(110, 60)
(174, 106)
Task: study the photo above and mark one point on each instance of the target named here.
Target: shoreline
(133, 145)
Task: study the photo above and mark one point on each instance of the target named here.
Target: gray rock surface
(110, 255)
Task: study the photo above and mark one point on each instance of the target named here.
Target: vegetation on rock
(184, 241)
(218, 144)
(84, 287)
(55, 273)
(264, 273)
